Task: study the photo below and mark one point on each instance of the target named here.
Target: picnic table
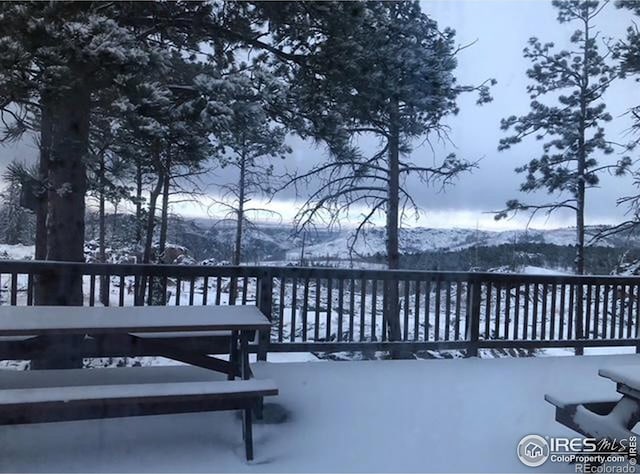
(158, 330)
(605, 419)
(134, 325)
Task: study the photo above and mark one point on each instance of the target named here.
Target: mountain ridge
(281, 241)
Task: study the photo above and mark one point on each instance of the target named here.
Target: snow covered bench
(611, 420)
(602, 419)
(46, 404)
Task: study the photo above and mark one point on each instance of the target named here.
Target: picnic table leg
(233, 353)
(260, 408)
(247, 430)
(245, 373)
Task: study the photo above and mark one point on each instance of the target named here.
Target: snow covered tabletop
(628, 375)
(41, 320)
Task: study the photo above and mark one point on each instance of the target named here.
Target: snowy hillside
(207, 240)
(422, 239)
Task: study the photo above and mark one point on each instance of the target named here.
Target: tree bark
(304, 239)
(42, 206)
(114, 223)
(67, 189)
(43, 172)
(148, 246)
(580, 191)
(237, 253)
(139, 203)
(392, 306)
(164, 218)
(102, 253)
(153, 200)
(65, 226)
(581, 187)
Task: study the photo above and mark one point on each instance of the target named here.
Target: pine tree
(571, 124)
(165, 134)
(629, 49)
(250, 141)
(381, 69)
(16, 222)
(627, 52)
(53, 58)
(19, 200)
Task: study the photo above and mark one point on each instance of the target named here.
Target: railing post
(265, 304)
(579, 320)
(473, 329)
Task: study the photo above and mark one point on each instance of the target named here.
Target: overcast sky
(501, 30)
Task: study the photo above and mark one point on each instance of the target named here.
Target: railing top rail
(187, 271)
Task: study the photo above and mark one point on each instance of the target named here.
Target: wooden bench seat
(599, 405)
(15, 338)
(137, 392)
(51, 404)
(628, 375)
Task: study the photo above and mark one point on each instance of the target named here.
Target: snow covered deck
(463, 415)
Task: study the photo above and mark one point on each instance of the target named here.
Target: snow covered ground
(422, 239)
(16, 252)
(531, 270)
(373, 416)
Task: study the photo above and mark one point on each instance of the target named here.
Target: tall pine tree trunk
(159, 295)
(581, 187)
(139, 203)
(67, 189)
(580, 192)
(43, 174)
(164, 218)
(70, 114)
(115, 222)
(237, 251)
(392, 301)
(102, 229)
(151, 217)
(42, 202)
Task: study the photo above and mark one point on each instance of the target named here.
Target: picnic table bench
(143, 326)
(604, 419)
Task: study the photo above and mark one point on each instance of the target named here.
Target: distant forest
(512, 257)
(213, 242)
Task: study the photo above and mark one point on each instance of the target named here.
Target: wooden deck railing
(327, 309)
